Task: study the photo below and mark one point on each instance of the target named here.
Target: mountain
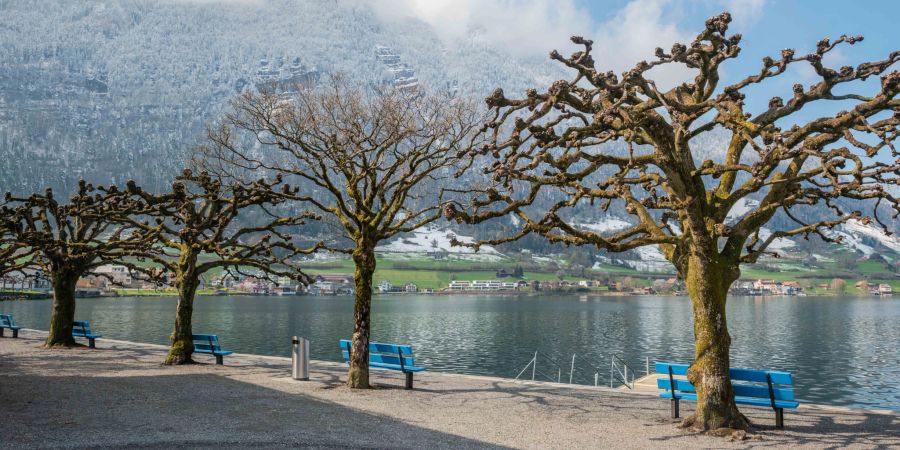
(115, 89)
(111, 90)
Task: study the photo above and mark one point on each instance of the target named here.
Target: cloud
(531, 28)
(745, 11)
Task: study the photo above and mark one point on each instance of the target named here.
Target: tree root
(728, 427)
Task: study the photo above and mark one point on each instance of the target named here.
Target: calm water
(843, 351)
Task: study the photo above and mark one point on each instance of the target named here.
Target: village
(114, 280)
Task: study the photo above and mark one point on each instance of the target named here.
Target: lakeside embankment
(119, 395)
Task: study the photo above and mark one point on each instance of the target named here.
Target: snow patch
(433, 239)
(740, 209)
(608, 225)
(857, 228)
(777, 244)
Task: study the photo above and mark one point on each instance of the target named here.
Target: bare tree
(67, 241)
(367, 157)
(199, 231)
(600, 139)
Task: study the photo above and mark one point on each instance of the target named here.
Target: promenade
(120, 395)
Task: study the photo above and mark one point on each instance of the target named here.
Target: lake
(843, 351)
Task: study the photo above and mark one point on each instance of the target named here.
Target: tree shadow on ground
(193, 410)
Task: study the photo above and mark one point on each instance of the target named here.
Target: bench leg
(91, 343)
(1, 332)
(15, 333)
(675, 407)
(779, 418)
(409, 380)
(219, 360)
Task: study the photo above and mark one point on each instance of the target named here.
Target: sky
(627, 31)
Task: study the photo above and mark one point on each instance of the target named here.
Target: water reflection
(842, 350)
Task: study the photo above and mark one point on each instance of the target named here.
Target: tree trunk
(364, 258)
(63, 314)
(186, 281)
(707, 283)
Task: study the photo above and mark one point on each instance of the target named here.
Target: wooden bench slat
(380, 347)
(736, 373)
(381, 358)
(753, 401)
(759, 376)
(740, 389)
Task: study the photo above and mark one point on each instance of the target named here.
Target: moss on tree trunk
(707, 282)
(187, 281)
(62, 316)
(364, 258)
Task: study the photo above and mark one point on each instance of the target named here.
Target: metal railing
(552, 361)
(619, 371)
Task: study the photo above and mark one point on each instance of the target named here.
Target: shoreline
(436, 293)
(126, 398)
(488, 378)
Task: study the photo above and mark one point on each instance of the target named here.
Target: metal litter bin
(300, 359)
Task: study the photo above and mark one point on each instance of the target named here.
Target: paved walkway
(119, 395)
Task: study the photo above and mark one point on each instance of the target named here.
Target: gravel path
(120, 396)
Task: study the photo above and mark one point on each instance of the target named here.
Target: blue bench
(751, 387)
(388, 356)
(83, 329)
(7, 322)
(209, 343)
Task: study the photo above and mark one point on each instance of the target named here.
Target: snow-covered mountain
(115, 89)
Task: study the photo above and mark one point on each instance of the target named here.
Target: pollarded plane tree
(15, 257)
(368, 158)
(201, 229)
(565, 142)
(66, 241)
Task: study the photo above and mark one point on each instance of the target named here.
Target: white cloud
(532, 28)
(745, 11)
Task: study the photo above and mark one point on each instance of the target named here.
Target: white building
(118, 275)
(385, 287)
(482, 285)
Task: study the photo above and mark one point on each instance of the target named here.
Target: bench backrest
(6, 320)
(745, 382)
(206, 342)
(382, 353)
(82, 328)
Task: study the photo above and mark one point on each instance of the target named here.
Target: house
(284, 290)
(744, 288)
(410, 288)
(338, 278)
(226, 281)
(767, 287)
(385, 287)
(885, 289)
(116, 274)
(457, 285)
(256, 285)
(482, 285)
(586, 283)
(321, 288)
(791, 288)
